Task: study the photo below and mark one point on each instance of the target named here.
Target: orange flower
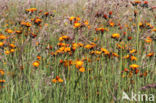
(111, 24)
(115, 35)
(148, 40)
(115, 54)
(2, 37)
(134, 66)
(86, 23)
(126, 57)
(82, 69)
(1, 44)
(36, 64)
(57, 79)
(77, 25)
(37, 21)
(12, 50)
(79, 63)
(150, 54)
(12, 45)
(126, 70)
(27, 24)
(31, 10)
(71, 18)
(2, 72)
(133, 51)
(105, 51)
(19, 32)
(137, 1)
(9, 31)
(133, 58)
(2, 81)
(38, 57)
(7, 52)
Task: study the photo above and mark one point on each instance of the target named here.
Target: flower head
(36, 64)
(134, 66)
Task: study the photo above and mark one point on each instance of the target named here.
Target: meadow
(81, 51)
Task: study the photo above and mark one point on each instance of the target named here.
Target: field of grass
(81, 51)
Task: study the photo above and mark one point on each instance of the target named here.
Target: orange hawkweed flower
(19, 32)
(1, 44)
(105, 51)
(36, 64)
(86, 23)
(31, 10)
(132, 51)
(137, 1)
(111, 24)
(126, 70)
(39, 57)
(133, 58)
(148, 40)
(57, 79)
(37, 21)
(115, 35)
(126, 57)
(71, 18)
(82, 69)
(2, 37)
(79, 63)
(7, 52)
(9, 31)
(12, 50)
(2, 81)
(12, 45)
(2, 72)
(134, 66)
(77, 25)
(150, 54)
(27, 24)
(145, 2)
(88, 46)
(115, 54)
